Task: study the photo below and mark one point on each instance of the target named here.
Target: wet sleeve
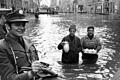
(7, 70)
(60, 46)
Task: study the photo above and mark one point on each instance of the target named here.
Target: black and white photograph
(59, 39)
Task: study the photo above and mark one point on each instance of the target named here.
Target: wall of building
(2, 3)
(66, 5)
(117, 6)
(8, 4)
(33, 5)
(25, 4)
(18, 4)
(81, 5)
(53, 3)
(92, 6)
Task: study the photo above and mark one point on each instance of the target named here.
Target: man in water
(90, 43)
(72, 55)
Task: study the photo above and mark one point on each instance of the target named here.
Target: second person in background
(90, 47)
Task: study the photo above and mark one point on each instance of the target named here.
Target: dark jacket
(23, 57)
(75, 47)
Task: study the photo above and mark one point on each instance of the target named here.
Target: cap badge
(20, 12)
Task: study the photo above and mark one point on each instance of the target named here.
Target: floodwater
(48, 31)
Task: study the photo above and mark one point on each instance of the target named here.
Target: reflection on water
(47, 32)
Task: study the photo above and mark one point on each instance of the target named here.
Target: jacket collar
(13, 41)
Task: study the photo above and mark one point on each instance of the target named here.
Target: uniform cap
(16, 16)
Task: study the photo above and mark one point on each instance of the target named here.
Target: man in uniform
(72, 56)
(16, 51)
(90, 42)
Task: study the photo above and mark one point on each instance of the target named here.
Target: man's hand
(36, 66)
(63, 43)
(90, 51)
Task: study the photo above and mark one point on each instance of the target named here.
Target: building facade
(30, 5)
(66, 5)
(85, 5)
(25, 4)
(116, 7)
(5, 3)
(18, 4)
(11, 3)
(118, 4)
(2, 3)
(53, 3)
(106, 6)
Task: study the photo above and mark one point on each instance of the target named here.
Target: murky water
(47, 32)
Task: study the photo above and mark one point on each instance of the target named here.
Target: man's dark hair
(90, 27)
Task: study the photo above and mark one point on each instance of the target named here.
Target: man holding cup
(71, 46)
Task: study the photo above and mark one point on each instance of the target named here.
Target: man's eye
(19, 24)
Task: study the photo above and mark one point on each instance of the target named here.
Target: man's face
(72, 32)
(17, 29)
(90, 32)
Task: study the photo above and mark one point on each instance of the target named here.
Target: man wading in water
(70, 56)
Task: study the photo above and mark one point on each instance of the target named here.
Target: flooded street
(47, 32)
